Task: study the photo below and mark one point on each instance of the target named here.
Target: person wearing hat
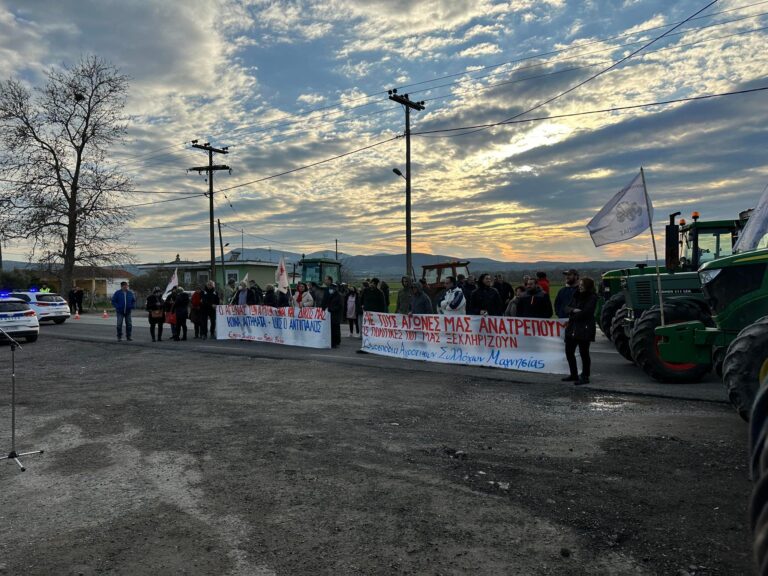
(567, 292)
(154, 308)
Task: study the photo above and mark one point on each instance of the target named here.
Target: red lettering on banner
(388, 320)
(456, 324)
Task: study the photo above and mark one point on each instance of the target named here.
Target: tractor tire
(645, 344)
(619, 337)
(745, 364)
(609, 310)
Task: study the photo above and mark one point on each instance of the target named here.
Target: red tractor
(435, 274)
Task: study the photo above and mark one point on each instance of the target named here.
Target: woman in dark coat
(485, 300)
(580, 330)
(335, 305)
(156, 313)
(181, 309)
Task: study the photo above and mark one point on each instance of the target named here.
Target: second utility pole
(210, 169)
(408, 104)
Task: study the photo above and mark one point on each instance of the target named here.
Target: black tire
(609, 310)
(618, 334)
(745, 363)
(31, 339)
(59, 320)
(645, 344)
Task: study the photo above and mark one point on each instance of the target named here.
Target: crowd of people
(576, 301)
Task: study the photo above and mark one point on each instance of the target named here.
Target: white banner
(624, 217)
(528, 344)
(309, 327)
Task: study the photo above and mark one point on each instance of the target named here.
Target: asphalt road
(204, 457)
(610, 372)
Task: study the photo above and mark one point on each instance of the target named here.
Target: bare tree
(58, 191)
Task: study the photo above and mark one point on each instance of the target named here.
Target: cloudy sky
(290, 84)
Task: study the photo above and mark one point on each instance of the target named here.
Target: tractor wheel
(618, 335)
(645, 344)
(745, 365)
(609, 310)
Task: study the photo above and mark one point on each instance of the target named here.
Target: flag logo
(628, 211)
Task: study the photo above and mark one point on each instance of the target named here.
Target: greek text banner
(528, 344)
(309, 327)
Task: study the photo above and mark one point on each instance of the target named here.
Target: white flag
(245, 279)
(282, 277)
(172, 283)
(754, 233)
(624, 217)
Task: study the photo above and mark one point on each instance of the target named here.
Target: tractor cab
(435, 274)
(689, 245)
(316, 269)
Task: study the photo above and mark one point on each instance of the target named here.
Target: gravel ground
(167, 460)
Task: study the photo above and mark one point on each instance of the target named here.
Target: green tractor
(612, 294)
(634, 323)
(736, 341)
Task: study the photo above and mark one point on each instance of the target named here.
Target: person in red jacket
(542, 281)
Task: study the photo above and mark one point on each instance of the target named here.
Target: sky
(285, 85)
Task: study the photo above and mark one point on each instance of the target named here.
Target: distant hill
(392, 265)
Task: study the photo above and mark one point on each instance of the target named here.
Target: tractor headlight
(706, 276)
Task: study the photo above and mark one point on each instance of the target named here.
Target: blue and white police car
(17, 320)
(47, 305)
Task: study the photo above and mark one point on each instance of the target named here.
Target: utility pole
(408, 104)
(223, 269)
(210, 169)
(337, 248)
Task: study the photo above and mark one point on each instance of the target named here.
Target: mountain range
(393, 265)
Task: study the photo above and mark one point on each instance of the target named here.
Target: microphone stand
(13, 455)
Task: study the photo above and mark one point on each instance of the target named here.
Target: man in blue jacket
(124, 301)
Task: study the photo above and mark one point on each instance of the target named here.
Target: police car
(47, 305)
(18, 320)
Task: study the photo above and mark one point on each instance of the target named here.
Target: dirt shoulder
(169, 460)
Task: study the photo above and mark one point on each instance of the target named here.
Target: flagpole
(653, 239)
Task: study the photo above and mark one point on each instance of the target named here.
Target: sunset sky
(289, 84)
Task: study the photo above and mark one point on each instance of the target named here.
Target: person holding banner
(453, 301)
(580, 330)
(421, 304)
(303, 297)
(485, 300)
(244, 296)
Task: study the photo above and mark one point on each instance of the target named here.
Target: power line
(159, 201)
(591, 112)
(313, 164)
(575, 68)
(301, 117)
(344, 120)
(601, 72)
